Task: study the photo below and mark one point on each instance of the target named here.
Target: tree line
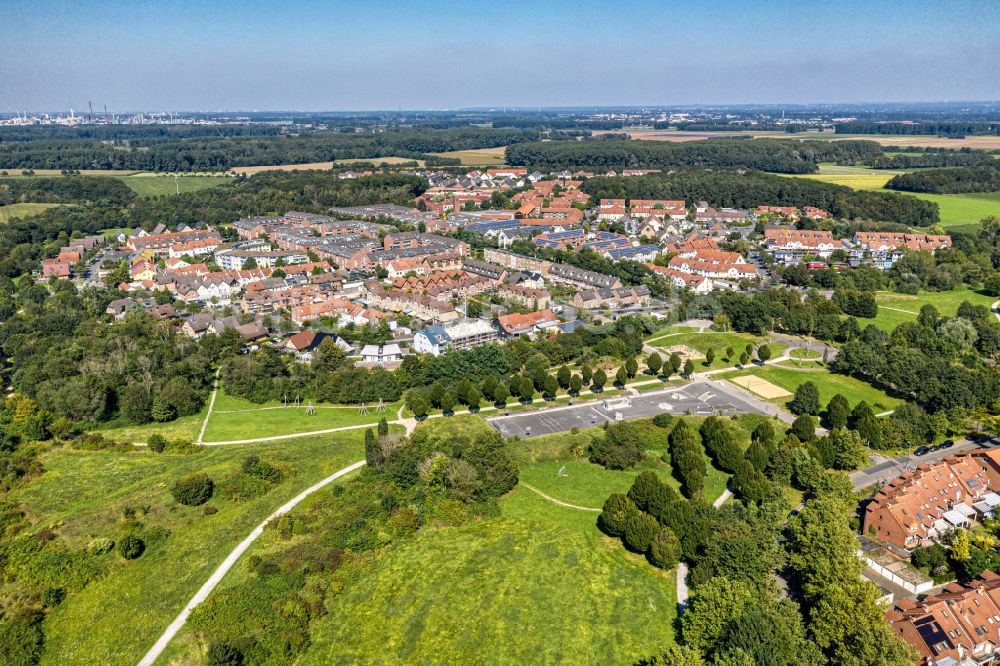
(949, 181)
(778, 155)
(169, 151)
(735, 613)
(954, 128)
(752, 188)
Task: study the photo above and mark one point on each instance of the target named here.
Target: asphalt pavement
(699, 398)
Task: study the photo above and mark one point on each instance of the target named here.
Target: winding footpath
(231, 559)
(559, 502)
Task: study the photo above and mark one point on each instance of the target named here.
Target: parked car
(946, 444)
(921, 450)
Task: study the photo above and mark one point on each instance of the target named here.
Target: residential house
(919, 506)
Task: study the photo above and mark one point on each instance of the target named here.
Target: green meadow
(83, 495)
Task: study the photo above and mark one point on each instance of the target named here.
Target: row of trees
(958, 128)
(735, 613)
(216, 151)
(752, 188)
(949, 181)
(778, 155)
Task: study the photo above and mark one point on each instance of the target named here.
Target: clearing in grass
(478, 157)
(155, 185)
(23, 210)
(895, 308)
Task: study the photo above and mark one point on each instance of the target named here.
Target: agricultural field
(320, 166)
(154, 185)
(22, 210)
(955, 209)
(478, 157)
(963, 209)
(83, 495)
(895, 309)
(829, 384)
(891, 140)
(857, 178)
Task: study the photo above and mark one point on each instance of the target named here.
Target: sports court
(761, 387)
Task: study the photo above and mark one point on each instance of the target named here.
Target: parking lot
(700, 398)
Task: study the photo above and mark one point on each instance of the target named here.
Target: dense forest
(949, 181)
(182, 150)
(70, 366)
(750, 189)
(943, 158)
(66, 189)
(954, 128)
(779, 155)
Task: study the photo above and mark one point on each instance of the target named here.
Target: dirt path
(559, 502)
(211, 404)
(231, 559)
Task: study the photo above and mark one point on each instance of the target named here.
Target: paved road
(887, 468)
(701, 397)
(227, 564)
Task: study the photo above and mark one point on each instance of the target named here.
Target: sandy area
(761, 387)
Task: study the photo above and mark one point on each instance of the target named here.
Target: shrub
(100, 546)
(157, 442)
(130, 547)
(621, 447)
(663, 420)
(193, 489)
(665, 549)
(210, 510)
(616, 509)
(640, 528)
(224, 653)
(53, 596)
(261, 469)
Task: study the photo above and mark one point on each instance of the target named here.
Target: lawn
(710, 339)
(585, 484)
(895, 309)
(829, 384)
(185, 427)
(481, 157)
(116, 618)
(22, 210)
(154, 185)
(273, 421)
(539, 585)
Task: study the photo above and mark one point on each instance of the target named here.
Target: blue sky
(313, 55)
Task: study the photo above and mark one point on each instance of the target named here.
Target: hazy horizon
(309, 56)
